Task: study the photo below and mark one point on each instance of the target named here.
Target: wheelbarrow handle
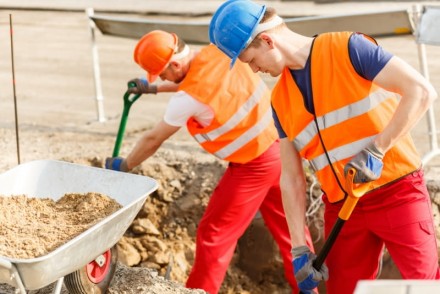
(129, 99)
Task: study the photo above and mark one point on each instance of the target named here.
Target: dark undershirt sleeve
(368, 59)
(280, 130)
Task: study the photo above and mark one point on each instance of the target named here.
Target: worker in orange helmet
(228, 113)
(344, 104)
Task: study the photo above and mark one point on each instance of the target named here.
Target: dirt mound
(163, 235)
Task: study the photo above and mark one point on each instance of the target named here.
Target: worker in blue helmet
(343, 103)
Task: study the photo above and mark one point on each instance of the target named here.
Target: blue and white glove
(307, 277)
(367, 163)
(116, 163)
(141, 86)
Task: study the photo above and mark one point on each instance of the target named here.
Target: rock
(144, 226)
(160, 258)
(153, 244)
(127, 253)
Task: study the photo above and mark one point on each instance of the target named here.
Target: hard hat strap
(182, 54)
(273, 22)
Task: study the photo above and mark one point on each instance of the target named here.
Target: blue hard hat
(232, 26)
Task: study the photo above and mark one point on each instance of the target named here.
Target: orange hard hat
(153, 52)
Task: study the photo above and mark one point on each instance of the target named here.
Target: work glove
(141, 87)
(307, 277)
(367, 163)
(116, 163)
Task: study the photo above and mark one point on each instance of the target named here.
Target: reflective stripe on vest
(246, 137)
(236, 118)
(335, 117)
(339, 153)
(242, 127)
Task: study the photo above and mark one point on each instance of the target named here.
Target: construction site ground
(55, 103)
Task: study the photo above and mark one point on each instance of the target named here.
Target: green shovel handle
(129, 99)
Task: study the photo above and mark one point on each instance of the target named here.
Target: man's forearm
(294, 203)
(144, 148)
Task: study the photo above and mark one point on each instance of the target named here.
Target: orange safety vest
(349, 112)
(242, 127)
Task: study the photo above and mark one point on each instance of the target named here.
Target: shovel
(129, 99)
(354, 193)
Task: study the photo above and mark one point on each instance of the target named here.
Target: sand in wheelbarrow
(32, 227)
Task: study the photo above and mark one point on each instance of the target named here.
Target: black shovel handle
(344, 214)
(354, 193)
(319, 261)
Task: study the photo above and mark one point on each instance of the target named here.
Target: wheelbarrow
(71, 262)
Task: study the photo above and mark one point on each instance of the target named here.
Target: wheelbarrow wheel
(95, 277)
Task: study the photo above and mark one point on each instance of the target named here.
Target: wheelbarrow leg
(14, 275)
(58, 286)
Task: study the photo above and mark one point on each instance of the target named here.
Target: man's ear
(175, 64)
(266, 39)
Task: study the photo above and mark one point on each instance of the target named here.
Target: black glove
(368, 164)
(116, 163)
(141, 86)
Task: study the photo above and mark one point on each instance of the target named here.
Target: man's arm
(149, 143)
(167, 87)
(141, 86)
(293, 189)
(417, 96)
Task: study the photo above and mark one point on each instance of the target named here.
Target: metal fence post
(96, 71)
(422, 36)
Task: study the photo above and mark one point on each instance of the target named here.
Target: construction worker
(343, 103)
(228, 113)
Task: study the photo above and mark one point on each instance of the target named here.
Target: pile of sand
(32, 227)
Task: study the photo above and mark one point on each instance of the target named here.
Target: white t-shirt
(182, 106)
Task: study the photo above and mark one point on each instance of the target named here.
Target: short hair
(268, 15)
(180, 45)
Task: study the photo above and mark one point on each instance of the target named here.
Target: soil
(32, 227)
(57, 119)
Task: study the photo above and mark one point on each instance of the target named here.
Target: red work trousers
(243, 190)
(397, 216)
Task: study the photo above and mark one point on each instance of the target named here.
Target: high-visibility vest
(242, 127)
(349, 112)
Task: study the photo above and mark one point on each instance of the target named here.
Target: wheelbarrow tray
(53, 179)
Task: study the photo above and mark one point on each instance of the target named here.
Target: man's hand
(367, 163)
(141, 86)
(116, 163)
(306, 275)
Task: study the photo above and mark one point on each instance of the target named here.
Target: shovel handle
(319, 261)
(354, 191)
(129, 99)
